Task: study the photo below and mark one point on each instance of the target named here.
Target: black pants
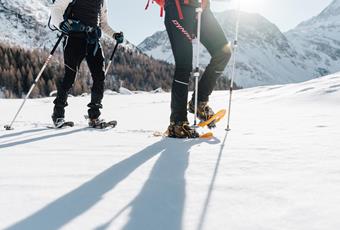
(181, 33)
(76, 49)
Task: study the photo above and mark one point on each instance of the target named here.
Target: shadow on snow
(159, 205)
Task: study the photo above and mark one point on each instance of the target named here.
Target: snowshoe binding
(61, 123)
(101, 124)
(204, 112)
(181, 129)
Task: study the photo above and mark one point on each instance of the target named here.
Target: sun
(252, 6)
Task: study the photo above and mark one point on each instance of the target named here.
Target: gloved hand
(119, 37)
(68, 26)
(65, 26)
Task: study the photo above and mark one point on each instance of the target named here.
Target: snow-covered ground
(278, 169)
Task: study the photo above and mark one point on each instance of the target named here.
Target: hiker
(181, 26)
(82, 21)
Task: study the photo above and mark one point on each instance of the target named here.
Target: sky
(130, 17)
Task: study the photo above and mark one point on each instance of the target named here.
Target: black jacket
(87, 11)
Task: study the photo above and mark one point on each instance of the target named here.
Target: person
(83, 22)
(181, 25)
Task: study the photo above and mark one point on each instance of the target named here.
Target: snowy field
(278, 169)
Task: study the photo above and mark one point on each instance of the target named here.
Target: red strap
(179, 9)
(162, 11)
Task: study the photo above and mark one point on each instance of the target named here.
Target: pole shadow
(21, 132)
(211, 186)
(35, 139)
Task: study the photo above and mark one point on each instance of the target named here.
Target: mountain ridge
(269, 56)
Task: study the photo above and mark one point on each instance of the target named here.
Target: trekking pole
(111, 58)
(235, 46)
(199, 11)
(9, 127)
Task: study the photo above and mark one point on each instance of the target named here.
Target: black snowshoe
(101, 124)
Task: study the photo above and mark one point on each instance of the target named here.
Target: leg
(180, 35)
(213, 38)
(73, 55)
(96, 65)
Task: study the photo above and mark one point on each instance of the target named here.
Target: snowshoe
(101, 124)
(61, 123)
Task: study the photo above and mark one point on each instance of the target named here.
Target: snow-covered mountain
(318, 39)
(24, 23)
(268, 56)
(277, 169)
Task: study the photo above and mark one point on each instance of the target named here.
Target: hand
(119, 37)
(65, 27)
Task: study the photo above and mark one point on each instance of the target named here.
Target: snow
(277, 169)
(125, 91)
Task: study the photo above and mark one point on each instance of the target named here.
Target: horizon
(151, 21)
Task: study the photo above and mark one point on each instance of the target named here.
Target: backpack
(161, 3)
(59, 11)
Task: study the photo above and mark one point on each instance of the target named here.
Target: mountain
(268, 56)
(278, 168)
(318, 39)
(24, 22)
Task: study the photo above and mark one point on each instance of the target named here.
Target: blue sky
(130, 17)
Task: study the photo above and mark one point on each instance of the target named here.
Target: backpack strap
(179, 9)
(178, 6)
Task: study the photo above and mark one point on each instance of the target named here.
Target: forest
(131, 69)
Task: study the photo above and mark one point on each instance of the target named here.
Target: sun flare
(252, 5)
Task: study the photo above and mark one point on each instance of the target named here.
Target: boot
(204, 112)
(59, 110)
(95, 122)
(95, 106)
(181, 129)
(94, 111)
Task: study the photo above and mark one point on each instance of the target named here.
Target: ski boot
(181, 129)
(204, 112)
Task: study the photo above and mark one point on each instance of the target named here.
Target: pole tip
(7, 127)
